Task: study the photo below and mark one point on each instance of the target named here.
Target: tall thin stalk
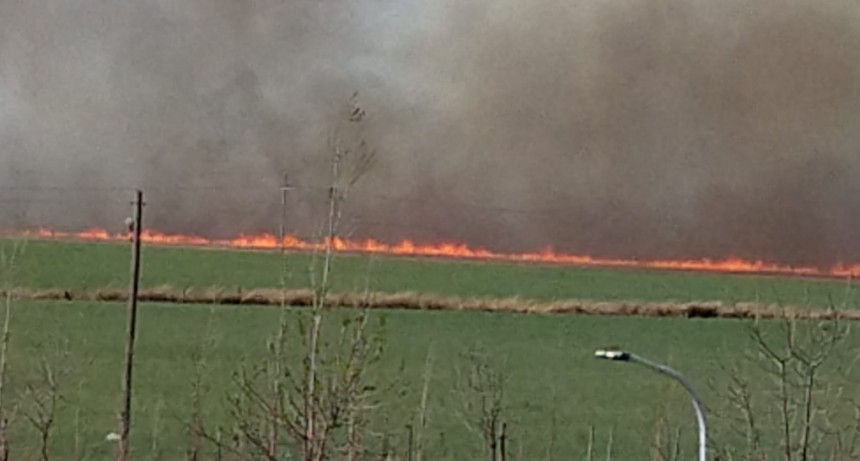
(4, 349)
(589, 454)
(320, 291)
(4, 353)
(609, 445)
(422, 410)
(7, 265)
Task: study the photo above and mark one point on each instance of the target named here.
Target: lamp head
(612, 354)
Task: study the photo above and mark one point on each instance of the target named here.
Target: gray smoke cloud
(622, 128)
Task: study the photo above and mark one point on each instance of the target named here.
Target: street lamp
(622, 356)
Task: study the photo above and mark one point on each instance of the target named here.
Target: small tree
(199, 388)
(481, 389)
(10, 253)
(793, 380)
(42, 395)
(315, 385)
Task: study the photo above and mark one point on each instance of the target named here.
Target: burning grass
(452, 250)
(420, 301)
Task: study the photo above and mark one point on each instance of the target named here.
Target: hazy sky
(626, 128)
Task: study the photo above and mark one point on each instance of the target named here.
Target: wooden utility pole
(277, 391)
(286, 187)
(125, 414)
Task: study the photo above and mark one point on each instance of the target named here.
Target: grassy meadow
(92, 266)
(555, 392)
(551, 374)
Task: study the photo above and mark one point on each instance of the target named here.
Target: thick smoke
(621, 128)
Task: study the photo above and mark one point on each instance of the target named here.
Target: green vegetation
(91, 266)
(555, 391)
(548, 364)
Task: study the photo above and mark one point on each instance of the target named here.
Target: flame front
(450, 250)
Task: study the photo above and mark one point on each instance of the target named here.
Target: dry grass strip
(422, 301)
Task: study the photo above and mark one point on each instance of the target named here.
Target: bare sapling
(313, 394)
(657, 444)
(199, 388)
(553, 425)
(589, 450)
(794, 379)
(277, 347)
(675, 454)
(41, 396)
(74, 401)
(351, 159)
(79, 445)
(741, 416)
(481, 388)
(422, 408)
(154, 447)
(340, 400)
(665, 444)
(9, 255)
(610, 443)
(196, 419)
(4, 351)
(250, 409)
(40, 410)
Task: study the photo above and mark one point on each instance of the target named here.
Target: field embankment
(419, 301)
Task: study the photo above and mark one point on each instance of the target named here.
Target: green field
(548, 364)
(93, 266)
(547, 359)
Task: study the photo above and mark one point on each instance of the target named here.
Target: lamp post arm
(694, 396)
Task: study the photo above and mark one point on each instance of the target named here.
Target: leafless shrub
(79, 445)
(199, 388)
(41, 396)
(610, 443)
(666, 443)
(793, 379)
(480, 386)
(337, 405)
(313, 394)
(155, 448)
(589, 451)
(10, 253)
(423, 409)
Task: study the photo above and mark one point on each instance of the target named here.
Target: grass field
(547, 360)
(92, 266)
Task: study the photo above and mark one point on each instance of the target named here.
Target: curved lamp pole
(622, 356)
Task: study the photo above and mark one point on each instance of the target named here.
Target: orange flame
(452, 250)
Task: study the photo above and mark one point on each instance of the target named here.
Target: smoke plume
(617, 128)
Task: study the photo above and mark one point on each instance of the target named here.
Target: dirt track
(418, 301)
